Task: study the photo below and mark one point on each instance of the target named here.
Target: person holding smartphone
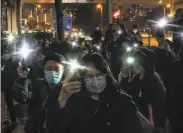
(35, 94)
(92, 103)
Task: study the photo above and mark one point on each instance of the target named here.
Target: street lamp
(168, 5)
(99, 6)
(160, 1)
(39, 6)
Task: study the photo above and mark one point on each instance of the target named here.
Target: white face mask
(96, 84)
(135, 30)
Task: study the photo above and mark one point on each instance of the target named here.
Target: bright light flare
(168, 5)
(73, 65)
(130, 60)
(10, 38)
(119, 32)
(135, 45)
(74, 44)
(98, 47)
(116, 14)
(128, 49)
(160, 1)
(170, 15)
(25, 51)
(99, 6)
(162, 23)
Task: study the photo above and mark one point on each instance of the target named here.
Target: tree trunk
(18, 2)
(59, 17)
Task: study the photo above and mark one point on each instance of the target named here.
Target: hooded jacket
(113, 113)
(148, 90)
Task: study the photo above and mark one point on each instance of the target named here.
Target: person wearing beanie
(139, 79)
(36, 94)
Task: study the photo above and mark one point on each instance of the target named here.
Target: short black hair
(54, 56)
(98, 62)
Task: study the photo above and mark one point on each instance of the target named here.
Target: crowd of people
(114, 84)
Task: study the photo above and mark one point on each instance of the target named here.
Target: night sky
(87, 16)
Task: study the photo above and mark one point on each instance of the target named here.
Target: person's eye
(48, 69)
(57, 69)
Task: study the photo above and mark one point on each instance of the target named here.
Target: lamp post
(99, 6)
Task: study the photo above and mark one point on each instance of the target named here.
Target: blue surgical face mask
(52, 77)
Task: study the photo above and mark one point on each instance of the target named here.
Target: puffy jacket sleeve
(24, 91)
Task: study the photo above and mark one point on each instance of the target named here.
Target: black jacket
(175, 96)
(113, 113)
(34, 94)
(96, 35)
(9, 74)
(149, 90)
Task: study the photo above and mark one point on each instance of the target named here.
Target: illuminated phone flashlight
(10, 38)
(74, 44)
(162, 23)
(130, 60)
(119, 31)
(97, 47)
(25, 51)
(135, 45)
(73, 65)
(128, 49)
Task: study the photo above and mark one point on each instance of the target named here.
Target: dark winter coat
(114, 113)
(175, 96)
(164, 58)
(8, 75)
(149, 90)
(96, 35)
(35, 95)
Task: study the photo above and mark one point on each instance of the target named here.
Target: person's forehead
(53, 63)
(92, 71)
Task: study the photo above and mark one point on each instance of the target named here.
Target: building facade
(4, 17)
